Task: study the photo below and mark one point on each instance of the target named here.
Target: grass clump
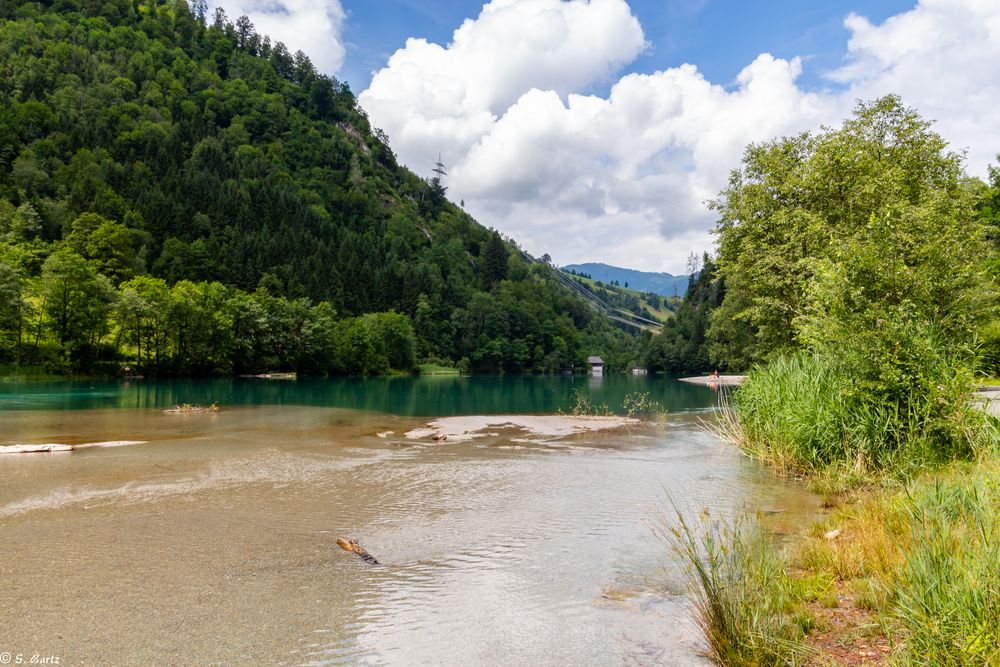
(638, 405)
(641, 406)
(807, 413)
(947, 593)
(747, 606)
(584, 406)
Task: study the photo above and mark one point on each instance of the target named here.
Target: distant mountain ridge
(664, 284)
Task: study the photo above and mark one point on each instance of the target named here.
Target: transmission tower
(439, 167)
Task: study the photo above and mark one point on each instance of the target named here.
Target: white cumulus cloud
(624, 178)
(941, 57)
(313, 26)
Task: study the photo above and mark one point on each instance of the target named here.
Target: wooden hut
(596, 365)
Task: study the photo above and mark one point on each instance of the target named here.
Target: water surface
(213, 543)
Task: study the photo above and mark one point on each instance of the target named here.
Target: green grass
(802, 414)
(750, 611)
(435, 369)
(919, 562)
(990, 382)
(947, 593)
(925, 560)
(916, 546)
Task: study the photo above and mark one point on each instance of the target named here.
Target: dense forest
(182, 195)
(682, 347)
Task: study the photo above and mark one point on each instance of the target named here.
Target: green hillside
(178, 192)
(664, 284)
(626, 301)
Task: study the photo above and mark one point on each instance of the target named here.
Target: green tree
(862, 247)
(796, 200)
(143, 311)
(77, 302)
(496, 258)
(11, 312)
(108, 244)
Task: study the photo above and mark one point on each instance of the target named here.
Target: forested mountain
(177, 191)
(664, 284)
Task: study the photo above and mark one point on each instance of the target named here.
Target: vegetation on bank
(181, 195)
(905, 575)
(857, 264)
(860, 286)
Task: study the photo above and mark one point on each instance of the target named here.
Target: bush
(791, 413)
(989, 351)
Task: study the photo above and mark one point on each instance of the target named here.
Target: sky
(598, 130)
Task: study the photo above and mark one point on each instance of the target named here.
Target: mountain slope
(142, 140)
(664, 284)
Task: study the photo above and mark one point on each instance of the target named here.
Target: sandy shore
(548, 426)
(720, 381)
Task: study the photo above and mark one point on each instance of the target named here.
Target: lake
(213, 541)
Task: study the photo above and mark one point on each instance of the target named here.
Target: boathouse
(596, 365)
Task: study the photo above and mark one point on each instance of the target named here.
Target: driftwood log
(355, 548)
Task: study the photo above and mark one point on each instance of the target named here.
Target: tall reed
(806, 413)
(948, 591)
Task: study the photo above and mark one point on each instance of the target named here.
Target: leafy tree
(11, 309)
(77, 301)
(862, 247)
(799, 200)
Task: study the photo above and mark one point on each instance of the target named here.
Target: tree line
(148, 148)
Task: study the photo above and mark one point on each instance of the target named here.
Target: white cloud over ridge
(624, 178)
(313, 26)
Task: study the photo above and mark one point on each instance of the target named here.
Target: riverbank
(907, 573)
(901, 569)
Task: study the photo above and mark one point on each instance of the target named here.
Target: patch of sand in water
(549, 426)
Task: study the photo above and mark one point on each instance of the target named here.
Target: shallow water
(213, 542)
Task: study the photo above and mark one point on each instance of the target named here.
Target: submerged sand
(546, 426)
(52, 447)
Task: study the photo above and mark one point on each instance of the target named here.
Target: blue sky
(598, 130)
(720, 36)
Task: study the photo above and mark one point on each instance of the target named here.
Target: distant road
(992, 401)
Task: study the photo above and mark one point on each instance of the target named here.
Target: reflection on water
(425, 396)
(214, 542)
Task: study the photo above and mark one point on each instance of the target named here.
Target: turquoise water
(406, 396)
(209, 538)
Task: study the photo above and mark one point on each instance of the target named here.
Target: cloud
(941, 57)
(314, 26)
(443, 99)
(624, 178)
